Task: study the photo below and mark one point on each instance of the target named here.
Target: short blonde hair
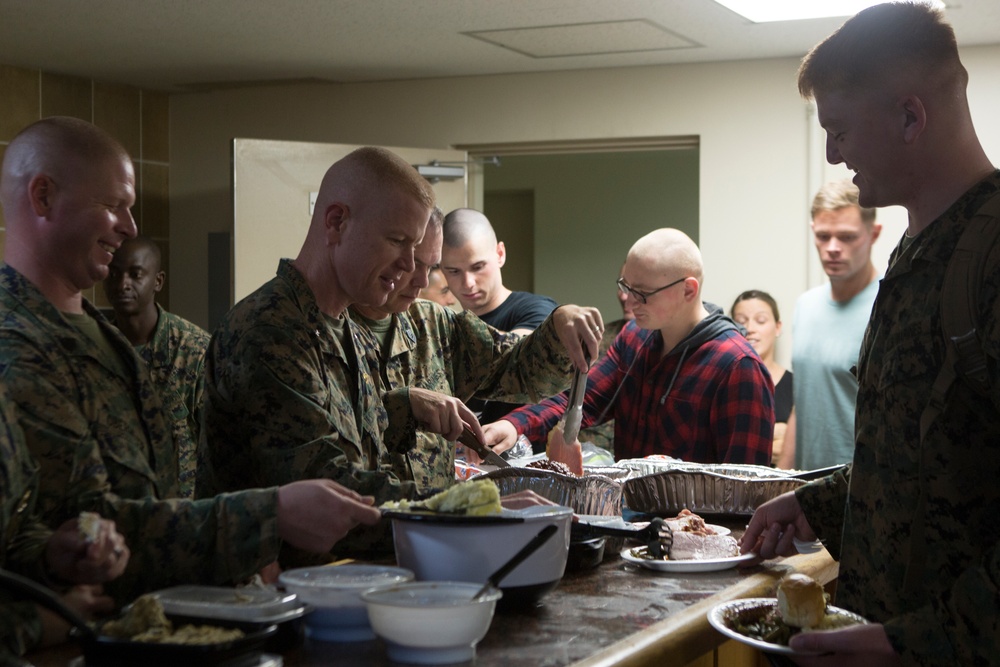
(836, 195)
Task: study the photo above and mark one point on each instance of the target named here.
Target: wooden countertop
(615, 614)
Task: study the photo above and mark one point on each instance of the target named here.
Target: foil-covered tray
(594, 493)
(704, 488)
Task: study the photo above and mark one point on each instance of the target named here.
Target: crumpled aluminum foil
(594, 493)
(667, 487)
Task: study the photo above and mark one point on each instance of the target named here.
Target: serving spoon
(493, 581)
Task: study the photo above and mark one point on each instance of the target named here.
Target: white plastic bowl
(431, 623)
(472, 548)
(334, 593)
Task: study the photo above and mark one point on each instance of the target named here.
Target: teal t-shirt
(827, 340)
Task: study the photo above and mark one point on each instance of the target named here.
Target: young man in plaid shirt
(680, 380)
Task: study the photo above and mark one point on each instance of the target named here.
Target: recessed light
(765, 11)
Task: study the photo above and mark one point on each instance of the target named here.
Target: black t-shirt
(783, 398)
(520, 310)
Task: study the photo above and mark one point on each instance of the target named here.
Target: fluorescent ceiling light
(764, 11)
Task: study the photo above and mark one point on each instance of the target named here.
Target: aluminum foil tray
(594, 493)
(705, 489)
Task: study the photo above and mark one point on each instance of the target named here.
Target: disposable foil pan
(705, 489)
(594, 493)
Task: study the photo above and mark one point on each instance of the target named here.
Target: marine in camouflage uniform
(292, 394)
(458, 354)
(22, 538)
(95, 424)
(175, 355)
(938, 595)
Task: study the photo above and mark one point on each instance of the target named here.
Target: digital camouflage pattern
(23, 538)
(949, 614)
(459, 355)
(175, 355)
(279, 404)
(103, 444)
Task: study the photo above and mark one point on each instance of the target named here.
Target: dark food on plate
(553, 466)
(145, 621)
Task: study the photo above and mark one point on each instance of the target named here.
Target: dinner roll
(801, 602)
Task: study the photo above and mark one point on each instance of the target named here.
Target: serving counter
(615, 614)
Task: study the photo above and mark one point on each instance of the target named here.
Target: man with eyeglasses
(680, 380)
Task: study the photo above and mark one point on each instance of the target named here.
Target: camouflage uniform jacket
(103, 444)
(460, 355)
(176, 358)
(949, 612)
(279, 399)
(22, 537)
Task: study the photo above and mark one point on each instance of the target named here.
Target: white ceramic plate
(722, 615)
(707, 565)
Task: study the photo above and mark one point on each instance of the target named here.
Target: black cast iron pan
(102, 650)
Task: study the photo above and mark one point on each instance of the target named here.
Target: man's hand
(858, 646)
(580, 330)
(774, 526)
(70, 557)
(499, 436)
(444, 415)
(315, 513)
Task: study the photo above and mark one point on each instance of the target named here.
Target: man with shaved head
(679, 380)
(91, 415)
(471, 259)
(172, 347)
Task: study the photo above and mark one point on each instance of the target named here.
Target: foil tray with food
(667, 487)
(594, 493)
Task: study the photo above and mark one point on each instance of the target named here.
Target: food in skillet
(552, 466)
(145, 621)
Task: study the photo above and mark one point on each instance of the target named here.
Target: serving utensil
(657, 535)
(493, 581)
(574, 406)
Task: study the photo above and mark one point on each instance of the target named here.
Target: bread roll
(801, 602)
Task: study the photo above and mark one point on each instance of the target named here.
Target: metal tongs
(574, 406)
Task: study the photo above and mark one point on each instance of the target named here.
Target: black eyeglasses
(641, 297)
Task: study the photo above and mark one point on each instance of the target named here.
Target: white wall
(755, 181)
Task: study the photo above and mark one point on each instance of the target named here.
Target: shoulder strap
(964, 355)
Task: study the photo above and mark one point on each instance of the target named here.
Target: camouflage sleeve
(823, 502)
(26, 550)
(492, 364)
(20, 629)
(400, 434)
(218, 540)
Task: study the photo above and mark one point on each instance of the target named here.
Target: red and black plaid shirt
(718, 409)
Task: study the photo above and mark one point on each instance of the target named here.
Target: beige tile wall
(139, 119)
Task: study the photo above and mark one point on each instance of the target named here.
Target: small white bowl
(433, 622)
(334, 593)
